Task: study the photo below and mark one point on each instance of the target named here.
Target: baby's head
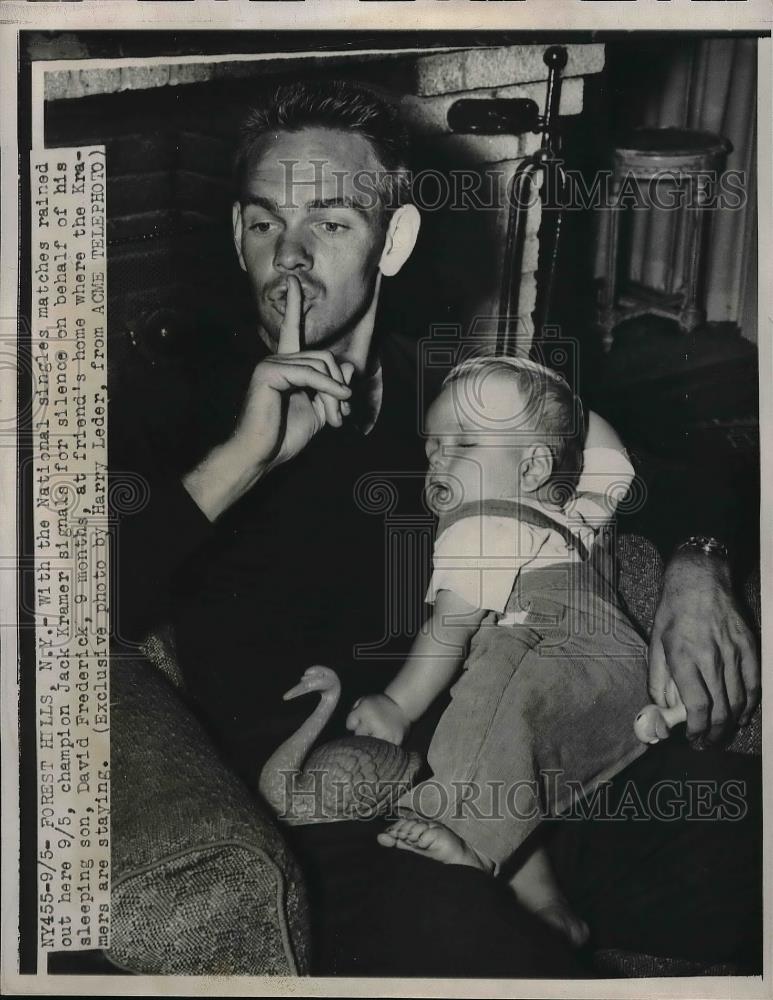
(503, 428)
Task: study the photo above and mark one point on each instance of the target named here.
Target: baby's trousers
(541, 715)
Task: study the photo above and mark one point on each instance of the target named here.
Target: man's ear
(535, 467)
(402, 233)
(237, 226)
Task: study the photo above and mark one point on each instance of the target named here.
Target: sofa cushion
(639, 578)
(202, 880)
(616, 963)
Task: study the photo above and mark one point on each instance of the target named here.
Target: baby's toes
(419, 828)
(427, 837)
(398, 830)
(390, 836)
(402, 830)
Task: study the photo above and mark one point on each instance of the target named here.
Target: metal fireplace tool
(516, 116)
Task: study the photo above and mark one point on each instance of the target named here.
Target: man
(265, 552)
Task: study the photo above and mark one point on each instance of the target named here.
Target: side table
(694, 161)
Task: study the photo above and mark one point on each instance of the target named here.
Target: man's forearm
(222, 477)
(149, 545)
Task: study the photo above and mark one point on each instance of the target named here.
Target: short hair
(334, 104)
(557, 410)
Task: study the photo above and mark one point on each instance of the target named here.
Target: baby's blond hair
(556, 410)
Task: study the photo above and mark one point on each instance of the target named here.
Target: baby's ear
(535, 467)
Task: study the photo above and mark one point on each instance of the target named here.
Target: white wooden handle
(653, 723)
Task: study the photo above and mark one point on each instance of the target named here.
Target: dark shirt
(328, 553)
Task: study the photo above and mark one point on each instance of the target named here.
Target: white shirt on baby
(479, 557)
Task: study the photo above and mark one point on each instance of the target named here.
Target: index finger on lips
(290, 330)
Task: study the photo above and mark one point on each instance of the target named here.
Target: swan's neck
(278, 771)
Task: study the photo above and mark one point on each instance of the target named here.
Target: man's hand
(291, 396)
(701, 645)
(378, 715)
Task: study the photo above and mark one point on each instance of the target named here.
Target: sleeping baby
(548, 670)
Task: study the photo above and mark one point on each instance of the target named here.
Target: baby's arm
(601, 434)
(606, 476)
(433, 662)
(437, 656)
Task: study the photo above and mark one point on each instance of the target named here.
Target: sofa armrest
(640, 571)
(202, 880)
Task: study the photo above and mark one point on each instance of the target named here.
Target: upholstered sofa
(203, 882)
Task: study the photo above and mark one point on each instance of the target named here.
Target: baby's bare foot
(432, 840)
(560, 915)
(536, 888)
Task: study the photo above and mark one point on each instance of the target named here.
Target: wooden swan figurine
(356, 777)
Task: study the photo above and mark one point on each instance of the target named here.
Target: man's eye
(333, 227)
(261, 227)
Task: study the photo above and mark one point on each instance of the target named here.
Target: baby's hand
(378, 715)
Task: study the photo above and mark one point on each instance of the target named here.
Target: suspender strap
(518, 512)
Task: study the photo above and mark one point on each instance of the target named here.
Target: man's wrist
(705, 544)
(700, 557)
(222, 477)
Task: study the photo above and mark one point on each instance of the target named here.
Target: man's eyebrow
(262, 202)
(318, 203)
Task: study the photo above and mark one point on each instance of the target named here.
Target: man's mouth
(278, 300)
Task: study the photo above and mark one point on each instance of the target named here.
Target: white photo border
(352, 15)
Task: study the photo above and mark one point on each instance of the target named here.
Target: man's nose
(292, 254)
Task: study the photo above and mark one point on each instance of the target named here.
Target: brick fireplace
(168, 125)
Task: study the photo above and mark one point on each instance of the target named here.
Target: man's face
(302, 213)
